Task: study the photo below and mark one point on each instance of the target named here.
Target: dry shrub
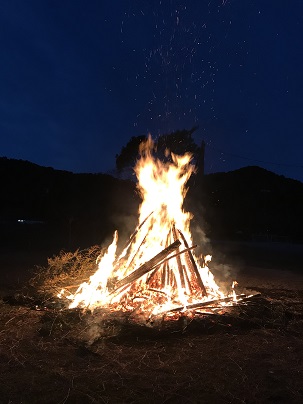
(66, 270)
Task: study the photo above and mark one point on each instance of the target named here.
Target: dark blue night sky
(79, 78)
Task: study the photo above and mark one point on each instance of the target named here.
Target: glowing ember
(157, 271)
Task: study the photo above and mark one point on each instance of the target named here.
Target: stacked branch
(242, 298)
(193, 266)
(178, 259)
(147, 266)
(162, 273)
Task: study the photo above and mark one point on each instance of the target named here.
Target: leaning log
(178, 259)
(136, 231)
(129, 242)
(173, 256)
(147, 266)
(194, 265)
(207, 303)
(165, 261)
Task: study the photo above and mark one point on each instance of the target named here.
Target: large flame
(178, 281)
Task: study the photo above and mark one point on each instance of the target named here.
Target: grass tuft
(65, 270)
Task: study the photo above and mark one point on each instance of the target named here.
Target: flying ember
(157, 271)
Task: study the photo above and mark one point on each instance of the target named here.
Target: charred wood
(194, 265)
(148, 266)
(178, 258)
(207, 303)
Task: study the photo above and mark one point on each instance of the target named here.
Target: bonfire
(157, 271)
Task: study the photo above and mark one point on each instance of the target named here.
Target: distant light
(31, 222)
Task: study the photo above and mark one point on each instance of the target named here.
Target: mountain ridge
(240, 203)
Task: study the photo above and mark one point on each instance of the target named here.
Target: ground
(253, 354)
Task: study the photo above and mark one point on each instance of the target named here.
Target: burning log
(187, 279)
(208, 303)
(163, 274)
(147, 266)
(165, 262)
(165, 268)
(178, 259)
(115, 283)
(193, 265)
(132, 237)
(138, 249)
(165, 279)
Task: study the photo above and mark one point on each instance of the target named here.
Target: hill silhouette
(252, 202)
(67, 210)
(42, 205)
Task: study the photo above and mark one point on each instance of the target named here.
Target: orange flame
(162, 220)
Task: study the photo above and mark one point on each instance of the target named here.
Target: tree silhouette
(178, 142)
(129, 153)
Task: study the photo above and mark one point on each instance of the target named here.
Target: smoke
(100, 324)
(227, 263)
(199, 238)
(125, 224)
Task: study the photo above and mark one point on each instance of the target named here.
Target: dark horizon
(126, 175)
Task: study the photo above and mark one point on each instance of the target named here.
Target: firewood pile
(157, 271)
(158, 281)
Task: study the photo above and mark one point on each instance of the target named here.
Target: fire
(157, 271)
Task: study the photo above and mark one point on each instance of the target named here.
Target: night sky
(79, 78)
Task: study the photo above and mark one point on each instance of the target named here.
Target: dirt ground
(251, 354)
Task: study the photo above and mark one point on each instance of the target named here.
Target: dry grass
(44, 358)
(252, 354)
(67, 269)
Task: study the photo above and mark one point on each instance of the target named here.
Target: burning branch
(148, 266)
(132, 237)
(208, 303)
(193, 265)
(238, 298)
(178, 259)
(175, 277)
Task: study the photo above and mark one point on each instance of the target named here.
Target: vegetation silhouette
(69, 210)
(178, 142)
